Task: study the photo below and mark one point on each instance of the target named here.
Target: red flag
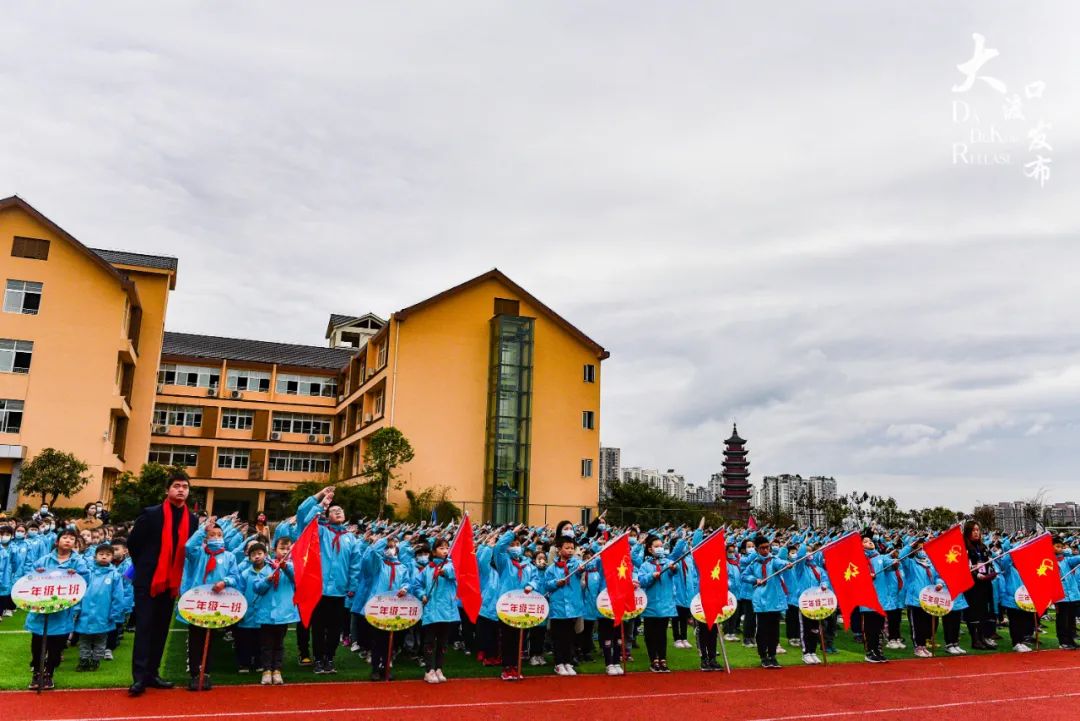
(1037, 565)
(619, 576)
(711, 561)
(849, 571)
(751, 524)
(949, 555)
(463, 556)
(307, 571)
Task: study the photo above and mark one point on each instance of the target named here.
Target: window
(173, 455)
(174, 374)
(166, 415)
(590, 373)
(587, 420)
(586, 468)
(294, 385)
(301, 423)
(242, 379)
(22, 296)
(237, 419)
(377, 407)
(10, 416)
(299, 462)
(30, 248)
(233, 458)
(15, 355)
(381, 355)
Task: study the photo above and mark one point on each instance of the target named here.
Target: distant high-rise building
(736, 484)
(716, 486)
(610, 462)
(799, 497)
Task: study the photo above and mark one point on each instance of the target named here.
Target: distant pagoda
(736, 475)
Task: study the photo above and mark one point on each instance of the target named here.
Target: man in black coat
(156, 544)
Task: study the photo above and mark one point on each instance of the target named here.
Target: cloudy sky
(764, 215)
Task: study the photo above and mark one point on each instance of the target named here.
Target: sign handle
(723, 646)
(1036, 614)
(933, 634)
(622, 644)
(41, 659)
(205, 651)
(521, 649)
(389, 656)
(821, 635)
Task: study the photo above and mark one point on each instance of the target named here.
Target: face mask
(5, 540)
(601, 527)
(660, 552)
(215, 545)
(33, 533)
(792, 556)
(391, 553)
(1067, 551)
(515, 552)
(20, 535)
(422, 559)
(541, 564)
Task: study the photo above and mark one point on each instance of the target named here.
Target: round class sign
(698, 612)
(201, 607)
(518, 609)
(603, 604)
(1023, 600)
(817, 603)
(936, 603)
(388, 612)
(48, 592)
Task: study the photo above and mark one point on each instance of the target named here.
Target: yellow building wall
(77, 334)
(438, 391)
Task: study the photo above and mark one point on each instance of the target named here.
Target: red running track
(1044, 685)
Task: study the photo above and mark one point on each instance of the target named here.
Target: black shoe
(95, 665)
(47, 682)
(1067, 646)
(747, 643)
(655, 667)
(705, 665)
(137, 689)
(376, 675)
(35, 682)
(319, 667)
(158, 682)
(328, 667)
(84, 665)
(774, 664)
(663, 666)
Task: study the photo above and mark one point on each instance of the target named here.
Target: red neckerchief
(765, 572)
(393, 572)
(437, 572)
(816, 574)
(565, 566)
(518, 566)
(899, 579)
(211, 562)
(336, 543)
(170, 564)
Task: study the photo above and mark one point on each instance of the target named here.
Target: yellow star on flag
(953, 556)
(851, 572)
(715, 575)
(622, 569)
(1044, 567)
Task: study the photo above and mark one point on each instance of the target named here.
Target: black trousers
(1066, 622)
(272, 645)
(679, 623)
(562, 638)
(435, 637)
(610, 641)
(951, 626)
(706, 640)
(872, 623)
(326, 627)
(830, 629)
(153, 615)
(585, 644)
(1021, 625)
(54, 646)
(981, 616)
(535, 639)
(381, 650)
(894, 620)
(749, 619)
(487, 637)
(855, 622)
(809, 630)
(791, 622)
(921, 625)
(246, 645)
(511, 645)
(303, 639)
(195, 639)
(465, 631)
(768, 633)
(656, 638)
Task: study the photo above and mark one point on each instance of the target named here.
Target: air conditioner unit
(327, 439)
(371, 372)
(236, 394)
(312, 438)
(161, 429)
(367, 418)
(341, 399)
(275, 436)
(211, 391)
(160, 387)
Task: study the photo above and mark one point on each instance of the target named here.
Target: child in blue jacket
(275, 610)
(769, 598)
(246, 633)
(515, 573)
(567, 606)
(61, 623)
(436, 587)
(657, 577)
(101, 609)
(206, 562)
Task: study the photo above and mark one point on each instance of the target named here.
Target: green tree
(885, 512)
(132, 493)
(52, 474)
(359, 500)
(422, 502)
(986, 518)
(937, 518)
(640, 503)
(387, 449)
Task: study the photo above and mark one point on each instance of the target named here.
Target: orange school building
(498, 394)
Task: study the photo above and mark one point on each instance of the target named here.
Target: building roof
(735, 435)
(142, 260)
(498, 276)
(191, 345)
(338, 320)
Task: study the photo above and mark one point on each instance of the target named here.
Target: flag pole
(205, 651)
(821, 635)
(799, 560)
(1036, 614)
(389, 656)
(1011, 550)
(521, 649)
(933, 635)
(723, 647)
(41, 656)
(622, 643)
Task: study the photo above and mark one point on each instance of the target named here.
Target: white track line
(609, 697)
(926, 707)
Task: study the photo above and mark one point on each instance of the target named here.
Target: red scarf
(336, 543)
(393, 573)
(437, 572)
(765, 572)
(211, 561)
(518, 566)
(899, 579)
(170, 564)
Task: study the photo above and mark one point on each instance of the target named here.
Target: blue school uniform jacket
(514, 574)
(565, 601)
(256, 600)
(340, 558)
(61, 623)
(489, 582)
(275, 593)
(660, 590)
(918, 573)
(385, 574)
(436, 587)
(102, 608)
(197, 562)
(771, 596)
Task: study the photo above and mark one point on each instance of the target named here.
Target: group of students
(768, 569)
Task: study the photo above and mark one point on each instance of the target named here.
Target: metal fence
(540, 514)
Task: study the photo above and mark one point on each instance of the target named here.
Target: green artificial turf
(15, 650)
